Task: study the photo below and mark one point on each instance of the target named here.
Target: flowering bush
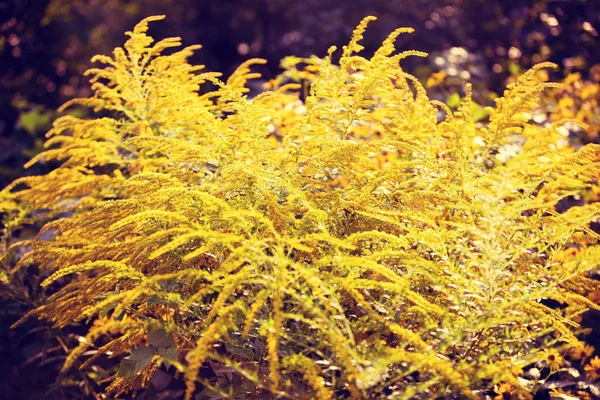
(347, 239)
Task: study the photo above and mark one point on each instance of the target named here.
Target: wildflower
(515, 369)
(592, 370)
(553, 359)
(556, 392)
(203, 178)
(594, 296)
(504, 391)
(583, 395)
(580, 352)
(436, 79)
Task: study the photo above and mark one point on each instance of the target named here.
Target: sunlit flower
(580, 352)
(553, 359)
(504, 391)
(435, 79)
(592, 370)
(594, 296)
(583, 395)
(557, 392)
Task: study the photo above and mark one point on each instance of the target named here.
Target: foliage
(356, 240)
(578, 98)
(45, 45)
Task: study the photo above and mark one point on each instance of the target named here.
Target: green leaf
(478, 112)
(104, 312)
(168, 354)
(453, 101)
(4, 277)
(137, 361)
(160, 338)
(35, 121)
(514, 68)
(240, 352)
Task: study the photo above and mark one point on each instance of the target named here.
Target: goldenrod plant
(354, 241)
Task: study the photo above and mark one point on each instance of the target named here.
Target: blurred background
(46, 45)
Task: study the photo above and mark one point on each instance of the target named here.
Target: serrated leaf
(246, 354)
(168, 354)
(160, 338)
(136, 361)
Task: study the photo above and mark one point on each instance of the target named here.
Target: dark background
(45, 46)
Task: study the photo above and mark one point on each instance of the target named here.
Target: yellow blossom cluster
(342, 239)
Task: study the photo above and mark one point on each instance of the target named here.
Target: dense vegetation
(339, 235)
(46, 45)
